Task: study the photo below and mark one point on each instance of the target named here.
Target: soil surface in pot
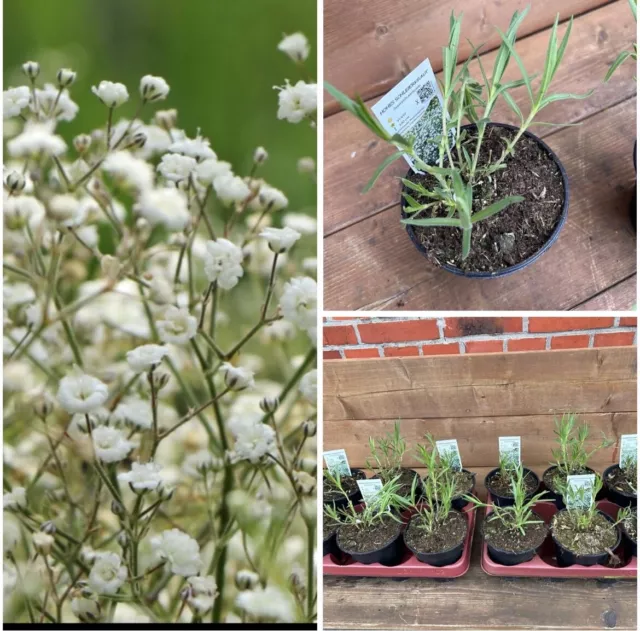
(617, 479)
(602, 535)
(330, 493)
(512, 540)
(514, 234)
(450, 534)
(329, 526)
(361, 539)
(630, 526)
(464, 483)
(555, 479)
(501, 484)
(405, 481)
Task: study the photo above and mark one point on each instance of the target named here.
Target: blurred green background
(220, 58)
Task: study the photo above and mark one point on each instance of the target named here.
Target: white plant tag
(413, 109)
(369, 489)
(579, 490)
(628, 448)
(337, 462)
(449, 449)
(509, 447)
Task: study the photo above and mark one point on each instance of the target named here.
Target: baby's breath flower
(146, 357)
(31, 69)
(198, 148)
(208, 170)
(223, 263)
(142, 477)
(135, 412)
(125, 167)
(22, 210)
(246, 579)
(17, 294)
(180, 550)
(309, 386)
(270, 603)
(16, 498)
(14, 100)
(260, 155)
(306, 165)
(237, 378)
(111, 444)
(166, 207)
(176, 167)
(280, 239)
(177, 326)
(107, 574)
(166, 118)
(153, 88)
(253, 439)
(36, 138)
(11, 534)
(53, 102)
(269, 404)
(231, 189)
(299, 303)
(295, 46)
(279, 331)
(80, 393)
(301, 223)
(198, 464)
(296, 102)
(201, 593)
(111, 94)
(269, 198)
(67, 210)
(85, 609)
(65, 77)
(42, 542)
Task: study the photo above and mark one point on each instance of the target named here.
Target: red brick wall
(357, 338)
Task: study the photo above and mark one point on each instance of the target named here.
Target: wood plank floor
(369, 260)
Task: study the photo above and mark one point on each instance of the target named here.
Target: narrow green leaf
(418, 188)
(513, 105)
(495, 208)
(634, 8)
(442, 221)
(563, 96)
(620, 59)
(523, 70)
(412, 201)
(563, 45)
(466, 243)
(388, 161)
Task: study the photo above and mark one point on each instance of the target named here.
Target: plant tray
(545, 565)
(409, 567)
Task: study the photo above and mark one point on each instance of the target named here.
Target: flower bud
(43, 407)
(260, 155)
(123, 540)
(42, 542)
(117, 508)
(48, 527)
(309, 428)
(160, 380)
(137, 141)
(166, 492)
(110, 267)
(31, 69)
(246, 580)
(306, 165)
(269, 404)
(85, 609)
(166, 118)
(65, 77)
(14, 182)
(82, 142)
(237, 378)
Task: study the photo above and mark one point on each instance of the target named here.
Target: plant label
(628, 449)
(369, 489)
(580, 490)
(509, 447)
(337, 462)
(413, 109)
(448, 451)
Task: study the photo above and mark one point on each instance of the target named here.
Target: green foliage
(581, 504)
(449, 201)
(520, 514)
(625, 54)
(387, 453)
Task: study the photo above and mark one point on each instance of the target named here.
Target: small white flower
(198, 148)
(85, 609)
(260, 155)
(299, 303)
(295, 46)
(9, 578)
(36, 138)
(50, 95)
(17, 294)
(253, 438)
(296, 102)
(17, 497)
(180, 550)
(31, 69)
(67, 210)
(65, 77)
(164, 206)
(153, 88)
(223, 263)
(269, 602)
(231, 189)
(202, 593)
(10, 532)
(176, 167)
(177, 326)
(14, 100)
(111, 444)
(42, 542)
(304, 224)
(134, 411)
(107, 574)
(237, 378)
(143, 476)
(209, 170)
(269, 198)
(125, 167)
(309, 386)
(111, 94)
(279, 331)
(80, 393)
(197, 464)
(280, 239)
(306, 165)
(146, 357)
(21, 210)
(246, 579)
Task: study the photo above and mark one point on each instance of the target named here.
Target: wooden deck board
(370, 263)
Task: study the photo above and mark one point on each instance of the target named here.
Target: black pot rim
(554, 466)
(457, 545)
(351, 495)
(525, 470)
(507, 271)
(586, 556)
(604, 478)
(548, 530)
(378, 549)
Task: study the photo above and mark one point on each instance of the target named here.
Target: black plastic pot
(437, 559)
(505, 557)
(503, 500)
(355, 497)
(532, 259)
(617, 497)
(558, 500)
(389, 554)
(329, 546)
(566, 557)
(459, 502)
(630, 545)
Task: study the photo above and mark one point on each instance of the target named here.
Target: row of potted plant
(429, 515)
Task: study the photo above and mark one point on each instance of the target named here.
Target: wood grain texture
(477, 601)
(373, 265)
(370, 45)
(352, 153)
(620, 296)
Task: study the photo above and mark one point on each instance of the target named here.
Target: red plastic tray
(545, 565)
(409, 566)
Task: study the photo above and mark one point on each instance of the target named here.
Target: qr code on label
(425, 92)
